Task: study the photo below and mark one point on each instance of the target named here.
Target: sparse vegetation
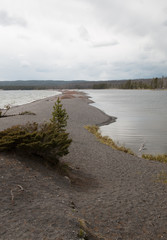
(48, 140)
(6, 109)
(159, 158)
(106, 140)
(88, 231)
(162, 177)
(82, 234)
(27, 113)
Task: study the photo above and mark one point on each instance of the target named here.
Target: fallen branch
(89, 231)
(11, 192)
(21, 188)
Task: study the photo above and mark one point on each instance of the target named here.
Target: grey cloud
(45, 70)
(77, 37)
(25, 64)
(84, 34)
(105, 44)
(138, 69)
(6, 20)
(118, 15)
(23, 37)
(148, 48)
(165, 23)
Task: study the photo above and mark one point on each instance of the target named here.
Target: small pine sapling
(59, 116)
(49, 140)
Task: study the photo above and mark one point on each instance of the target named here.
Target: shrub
(159, 158)
(27, 113)
(6, 109)
(48, 140)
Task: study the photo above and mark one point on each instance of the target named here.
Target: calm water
(141, 117)
(19, 97)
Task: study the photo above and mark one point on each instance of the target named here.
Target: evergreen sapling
(49, 141)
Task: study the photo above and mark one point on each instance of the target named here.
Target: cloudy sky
(82, 39)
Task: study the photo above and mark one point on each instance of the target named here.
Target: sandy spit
(119, 196)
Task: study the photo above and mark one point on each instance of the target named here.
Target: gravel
(119, 195)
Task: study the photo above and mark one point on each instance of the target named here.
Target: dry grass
(106, 140)
(70, 92)
(27, 113)
(67, 96)
(159, 158)
(162, 177)
(87, 232)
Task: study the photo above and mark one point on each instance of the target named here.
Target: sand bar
(119, 196)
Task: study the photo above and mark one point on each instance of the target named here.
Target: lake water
(19, 97)
(141, 118)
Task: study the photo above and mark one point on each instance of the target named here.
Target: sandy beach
(117, 196)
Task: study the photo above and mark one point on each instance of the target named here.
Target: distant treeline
(154, 83)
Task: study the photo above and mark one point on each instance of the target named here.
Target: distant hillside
(153, 83)
(37, 84)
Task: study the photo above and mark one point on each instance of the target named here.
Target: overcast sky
(82, 39)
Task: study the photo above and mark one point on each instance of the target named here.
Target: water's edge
(124, 127)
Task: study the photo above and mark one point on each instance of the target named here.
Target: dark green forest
(153, 83)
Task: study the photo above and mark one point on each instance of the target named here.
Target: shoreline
(62, 95)
(117, 195)
(31, 101)
(68, 94)
(111, 119)
(133, 135)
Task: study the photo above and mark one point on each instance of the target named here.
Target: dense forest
(154, 83)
